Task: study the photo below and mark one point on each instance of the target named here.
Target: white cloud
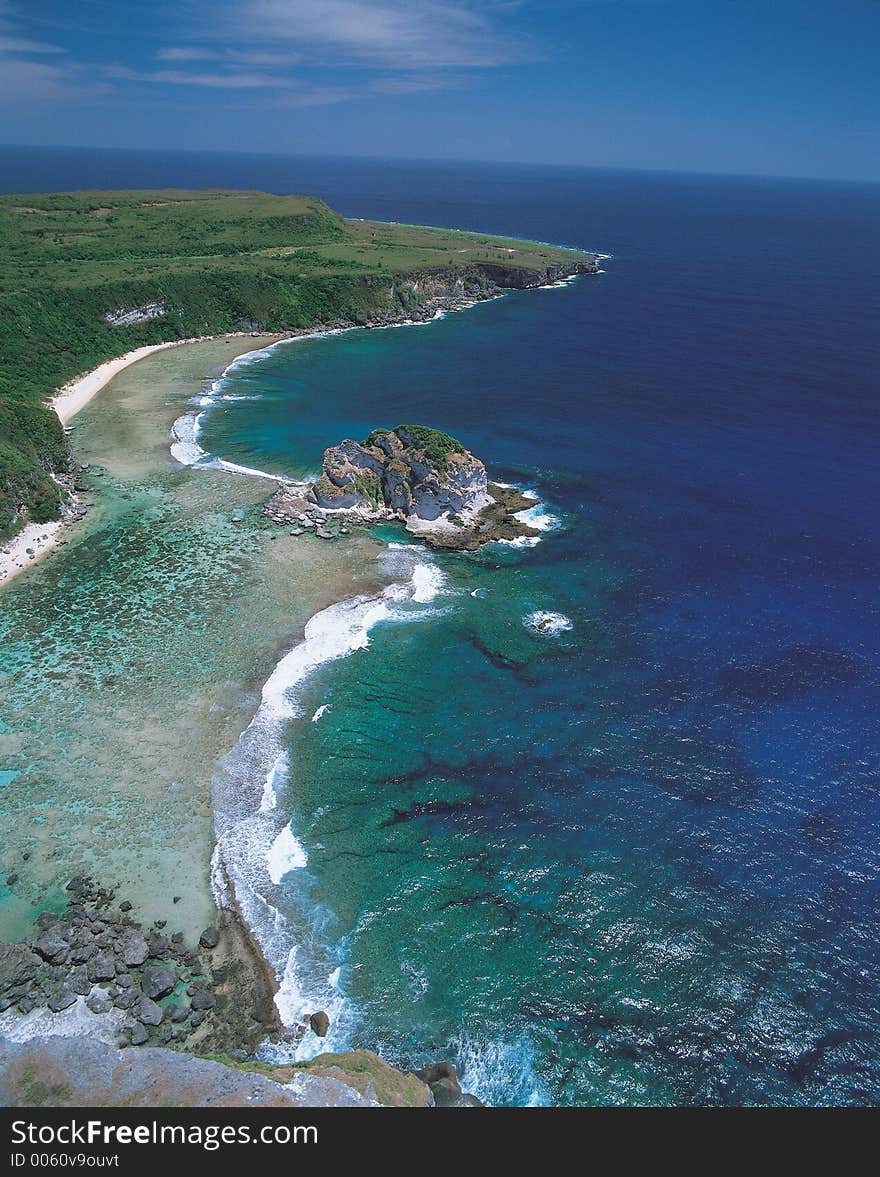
(9, 44)
(218, 80)
(39, 82)
(406, 34)
(187, 53)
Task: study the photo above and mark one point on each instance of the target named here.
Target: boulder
(52, 945)
(210, 938)
(149, 1012)
(319, 1023)
(138, 1035)
(132, 948)
(78, 980)
(157, 981)
(202, 1000)
(18, 966)
(446, 1092)
(63, 999)
(98, 1003)
(158, 946)
(101, 967)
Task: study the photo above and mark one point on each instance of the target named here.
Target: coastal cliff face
(418, 295)
(414, 475)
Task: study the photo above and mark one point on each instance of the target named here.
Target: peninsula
(92, 276)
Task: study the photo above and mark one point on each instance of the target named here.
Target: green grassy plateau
(186, 263)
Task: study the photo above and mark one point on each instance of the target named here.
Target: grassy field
(76, 265)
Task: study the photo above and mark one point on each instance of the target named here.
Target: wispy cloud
(407, 34)
(38, 82)
(416, 84)
(10, 44)
(215, 80)
(284, 52)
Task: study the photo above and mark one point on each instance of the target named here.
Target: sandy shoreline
(36, 539)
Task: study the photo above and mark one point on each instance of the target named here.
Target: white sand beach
(33, 541)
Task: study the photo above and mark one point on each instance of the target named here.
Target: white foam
(285, 854)
(427, 580)
(497, 1071)
(320, 712)
(539, 517)
(246, 471)
(274, 777)
(184, 447)
(254, 850)
(548, 623)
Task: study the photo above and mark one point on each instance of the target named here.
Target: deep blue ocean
(634, 861)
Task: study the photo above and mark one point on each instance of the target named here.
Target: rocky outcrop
(413, 474)
(92, 958)
(410, 470)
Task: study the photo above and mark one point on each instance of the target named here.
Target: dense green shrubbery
(436, 445)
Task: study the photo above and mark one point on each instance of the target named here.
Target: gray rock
(198, 1017)
(61, 1000)
(210, 938)
(202, 1000)
(158, 946)
(98, 1003)
(124, 980)
(149, 1012)
(126, 999)
(319, 1023)
(52, 946)
(25, 1005)
(101, 967)
(132, 948)
(78, 980)
(138, 1035)
(175, 1012)
(125, 906)
(12, 879)
(157, 982)
(446, 1092)
(18, 966)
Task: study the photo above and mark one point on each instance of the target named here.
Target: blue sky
(775, 87)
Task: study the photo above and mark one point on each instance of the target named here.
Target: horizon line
(439, 160)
